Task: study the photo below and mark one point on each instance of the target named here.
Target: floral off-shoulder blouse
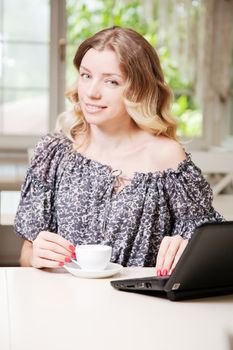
(73, 196)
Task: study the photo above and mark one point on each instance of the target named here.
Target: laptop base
(129, 286)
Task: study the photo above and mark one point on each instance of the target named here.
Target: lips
(90, 108)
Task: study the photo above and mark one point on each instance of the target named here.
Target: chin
(95, 120)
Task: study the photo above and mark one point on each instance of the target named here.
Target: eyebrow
(104, 74)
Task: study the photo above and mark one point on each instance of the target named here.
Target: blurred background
(38, 39)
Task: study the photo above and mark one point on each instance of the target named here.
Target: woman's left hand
(170, 251)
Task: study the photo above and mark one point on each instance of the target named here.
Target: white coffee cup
(93, 257)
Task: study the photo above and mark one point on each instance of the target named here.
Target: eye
(85, 76)
(112, 82)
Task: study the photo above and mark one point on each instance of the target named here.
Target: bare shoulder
(165, 153)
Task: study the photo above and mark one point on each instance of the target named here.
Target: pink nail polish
(159, 273)
(61, 263)
(72, 248)
(164, 272)
(67, 259)
(73, 256)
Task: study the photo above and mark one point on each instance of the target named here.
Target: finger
(50, 255)
(172, 250)
(179, 253)
(41, 263)
(54, 247)
(161, 254)
(56, 238)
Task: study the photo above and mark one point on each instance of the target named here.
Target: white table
(4, 312)
(55, 310)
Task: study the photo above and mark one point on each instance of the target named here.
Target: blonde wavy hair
(147, 97)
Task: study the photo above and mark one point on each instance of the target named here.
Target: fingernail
(73, 256)
(164, 272)
(67, 259)
(61, 263)
(72, 248)
(159, 273)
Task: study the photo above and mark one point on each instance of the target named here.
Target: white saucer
(109, 271)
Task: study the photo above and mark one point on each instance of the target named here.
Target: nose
(94, 90)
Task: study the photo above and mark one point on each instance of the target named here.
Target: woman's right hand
(50, 250)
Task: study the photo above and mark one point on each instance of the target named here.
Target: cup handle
(76, 263)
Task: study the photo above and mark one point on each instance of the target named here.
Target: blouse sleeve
(190, 199)
(34, 213)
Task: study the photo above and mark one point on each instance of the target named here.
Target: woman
(114, 172)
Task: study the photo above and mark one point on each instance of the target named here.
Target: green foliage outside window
(84, 18)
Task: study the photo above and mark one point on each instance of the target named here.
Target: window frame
(15, 143)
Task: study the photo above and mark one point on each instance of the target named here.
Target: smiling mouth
(93, 108)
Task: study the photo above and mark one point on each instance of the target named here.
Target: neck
(116, 138)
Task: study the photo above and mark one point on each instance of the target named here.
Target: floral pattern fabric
(66, 193)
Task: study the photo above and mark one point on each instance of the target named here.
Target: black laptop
(204, 269)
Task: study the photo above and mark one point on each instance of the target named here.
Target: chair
(218, 168)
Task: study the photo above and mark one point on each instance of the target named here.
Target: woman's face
(100, 88)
